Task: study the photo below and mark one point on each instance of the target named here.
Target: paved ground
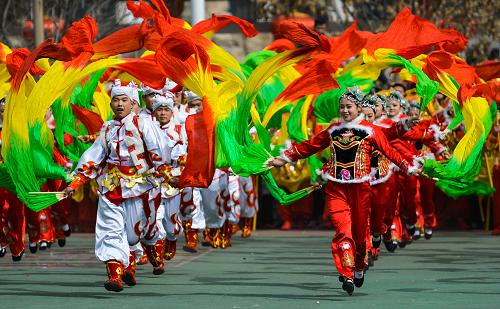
(271, 270)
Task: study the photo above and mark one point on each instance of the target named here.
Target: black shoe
(129, 278)
(341, 279)
(44, 245)
(390, 245)
(402, 244)
(410, 229)
(3, 251)
(376, 241)
(348, 286)
(68, 232)
(358, 282)
(371, 260)
(33, 249)
(428, 234)
(416, 235)
(18, 258)
(158, 271)
(61, 242)
(113, 286)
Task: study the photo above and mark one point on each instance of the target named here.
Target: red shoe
(129, 272)
(286, 226)
(170, 249)
(234, 228)
(247, 227)
(115, 272)
(143, 260)
(191, 236)
(225, 235)
(211, 237)
(155, 257)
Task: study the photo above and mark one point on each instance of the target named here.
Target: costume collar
(127, 118)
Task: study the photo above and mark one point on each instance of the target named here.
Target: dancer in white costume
(128, 160)
(214, 200)
(249, 205)
(168, 221)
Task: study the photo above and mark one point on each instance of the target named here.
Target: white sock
(358, 274)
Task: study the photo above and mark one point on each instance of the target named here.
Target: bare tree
(16, 13)
(477, 19)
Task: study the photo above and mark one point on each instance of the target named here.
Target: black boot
(390, 245)
(61, 242)
(359, 278)
(33, 248)
(428, 233)
(348, 286)
(18, 257)
(376, 240)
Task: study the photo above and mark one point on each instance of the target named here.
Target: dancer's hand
(446, 155)
(68, 192)
(277, 162)
(174, 182)
(84, 138)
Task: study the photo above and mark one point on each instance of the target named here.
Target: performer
(129, 161)
(168, 220)
(351, 142)
(12, 216)
(249, 204)
(148, 95)
(214, 200)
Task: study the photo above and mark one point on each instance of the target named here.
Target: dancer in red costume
(351, 141)
(12, 223)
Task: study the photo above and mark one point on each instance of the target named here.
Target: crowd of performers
(376, 148)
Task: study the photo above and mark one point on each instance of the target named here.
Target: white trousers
(167, 218)
(121, 226)
(248, 198)
(221, 200)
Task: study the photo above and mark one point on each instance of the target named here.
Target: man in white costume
(248, 204)
(168, 221)
(129, 161)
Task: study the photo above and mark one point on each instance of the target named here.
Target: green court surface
(273, 269)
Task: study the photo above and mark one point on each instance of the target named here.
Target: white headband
(161, 101)
(130, 90)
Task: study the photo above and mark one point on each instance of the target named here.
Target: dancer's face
(148, 99)
(196, 104)
(369, 114)
(379, 110)
(163, 115)
(121, 106)
(394, 107)
(348, 110)
(414, 113)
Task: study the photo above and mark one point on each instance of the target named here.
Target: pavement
(272, 269)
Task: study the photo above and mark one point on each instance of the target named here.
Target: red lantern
(50, 27)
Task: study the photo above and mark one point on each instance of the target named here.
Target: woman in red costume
(351, 141)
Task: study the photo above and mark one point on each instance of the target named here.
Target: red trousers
(301, 210)
(60, 211)
(60, 217)
(348, 207)
(384, 199)
(13, 223)
(427, 200)
(407, 186)
(40, 226)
